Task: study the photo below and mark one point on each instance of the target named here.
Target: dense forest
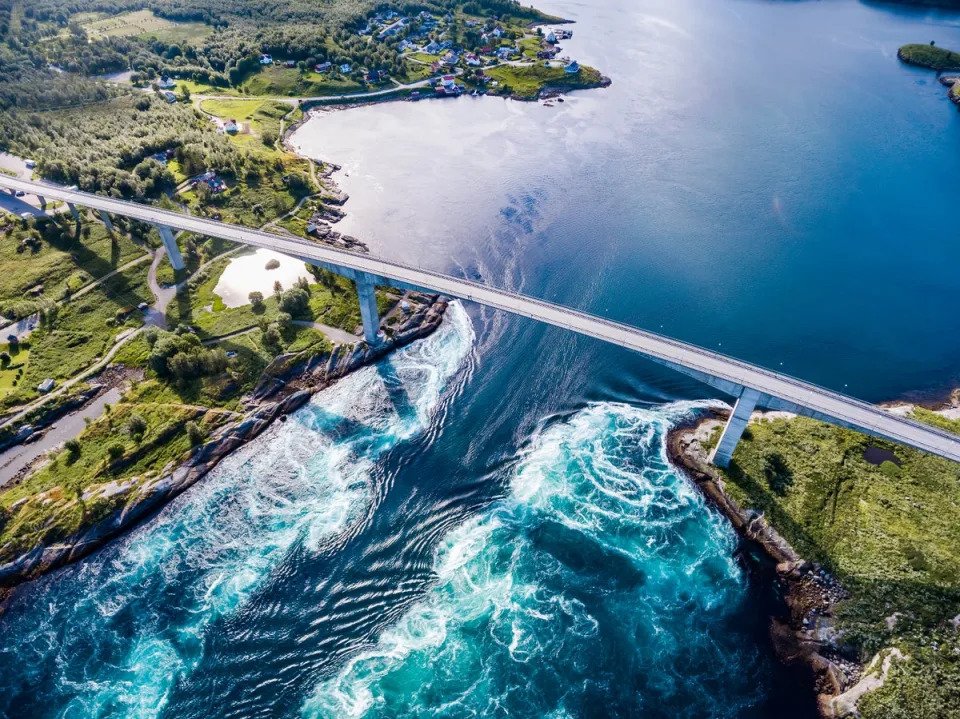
(108, 147)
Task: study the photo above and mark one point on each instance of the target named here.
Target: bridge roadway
(752, 385)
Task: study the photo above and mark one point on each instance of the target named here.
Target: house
(323, 67)
(432, 48)
(451, 58)
(392, 29)
(46, 385)
(448, 81)
(376, 76)
(166, 83)
(473, 60)
(497, 32)
(572, 68)
(505, 53)
(345, 68)
(406, 45)
(551, 38)
(266, 59)
(169, 96)
(231, 126)
(290, 63)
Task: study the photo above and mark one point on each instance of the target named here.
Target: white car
(26, 215)
(30, 164)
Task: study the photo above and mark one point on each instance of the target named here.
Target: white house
(345, 68)
(266, 59)
(46, 385)
(166, 83)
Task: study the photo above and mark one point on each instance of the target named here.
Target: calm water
(486, 525)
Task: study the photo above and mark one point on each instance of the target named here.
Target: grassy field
(144, 24)
(64, 260)
(936, 58)
(888, 531)
(527, 81)
(81, 331)
(276, 80)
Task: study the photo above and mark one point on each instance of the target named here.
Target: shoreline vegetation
(935, 58)
(863, 536)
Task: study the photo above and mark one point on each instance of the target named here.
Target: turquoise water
(601, 580)
(485, 524)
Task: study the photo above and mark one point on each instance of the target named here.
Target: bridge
(750, 385)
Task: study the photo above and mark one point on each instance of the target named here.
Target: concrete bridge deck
(751, 385)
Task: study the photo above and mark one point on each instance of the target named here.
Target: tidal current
(486, 523)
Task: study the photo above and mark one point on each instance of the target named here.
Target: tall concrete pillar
(366, 291)
(74, 211)
(105, 219)
(170, 242)
(746, 403)
(43, 202)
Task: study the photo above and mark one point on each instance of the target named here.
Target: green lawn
(889, 532)
(11, 375)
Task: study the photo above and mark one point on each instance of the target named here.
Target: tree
(294, 301)
(4, 359)
(256, 299)
(136, 426)
(194, 433)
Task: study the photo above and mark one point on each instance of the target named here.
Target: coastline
(286, 385)
(807, 635)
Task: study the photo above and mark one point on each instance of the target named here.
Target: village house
(323, 67)
(169, 96)
(166, 83)
(231, 126)
(572, 68)
(473, 60)
(345, 68)
(266, 59)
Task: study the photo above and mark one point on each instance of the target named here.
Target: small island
(931, 56)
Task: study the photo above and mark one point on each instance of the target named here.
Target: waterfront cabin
(572, 68)
(551, 38)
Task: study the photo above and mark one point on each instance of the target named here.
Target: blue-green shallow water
(485, 524)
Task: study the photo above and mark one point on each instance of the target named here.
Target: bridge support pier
(739, 417)
(74, 211)
(170, 242)
(105, 219)
(43, 202)
(366, 292)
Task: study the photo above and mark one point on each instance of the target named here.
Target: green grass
(202, 88)
(65, 261)
(144, 24)
(82, 330)
(201, 308)
(11, 375)
(889, 533)
(275, 80)
(526, 82)
(936, 58)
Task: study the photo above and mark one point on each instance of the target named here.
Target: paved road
(779, 391)
(323, 98)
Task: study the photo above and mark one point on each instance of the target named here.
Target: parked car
(19, 193)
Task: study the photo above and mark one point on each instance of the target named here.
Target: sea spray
(601, 585)
(113, 634)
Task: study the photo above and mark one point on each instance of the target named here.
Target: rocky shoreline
(807, 635)
(287, 384)
(808, 591)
